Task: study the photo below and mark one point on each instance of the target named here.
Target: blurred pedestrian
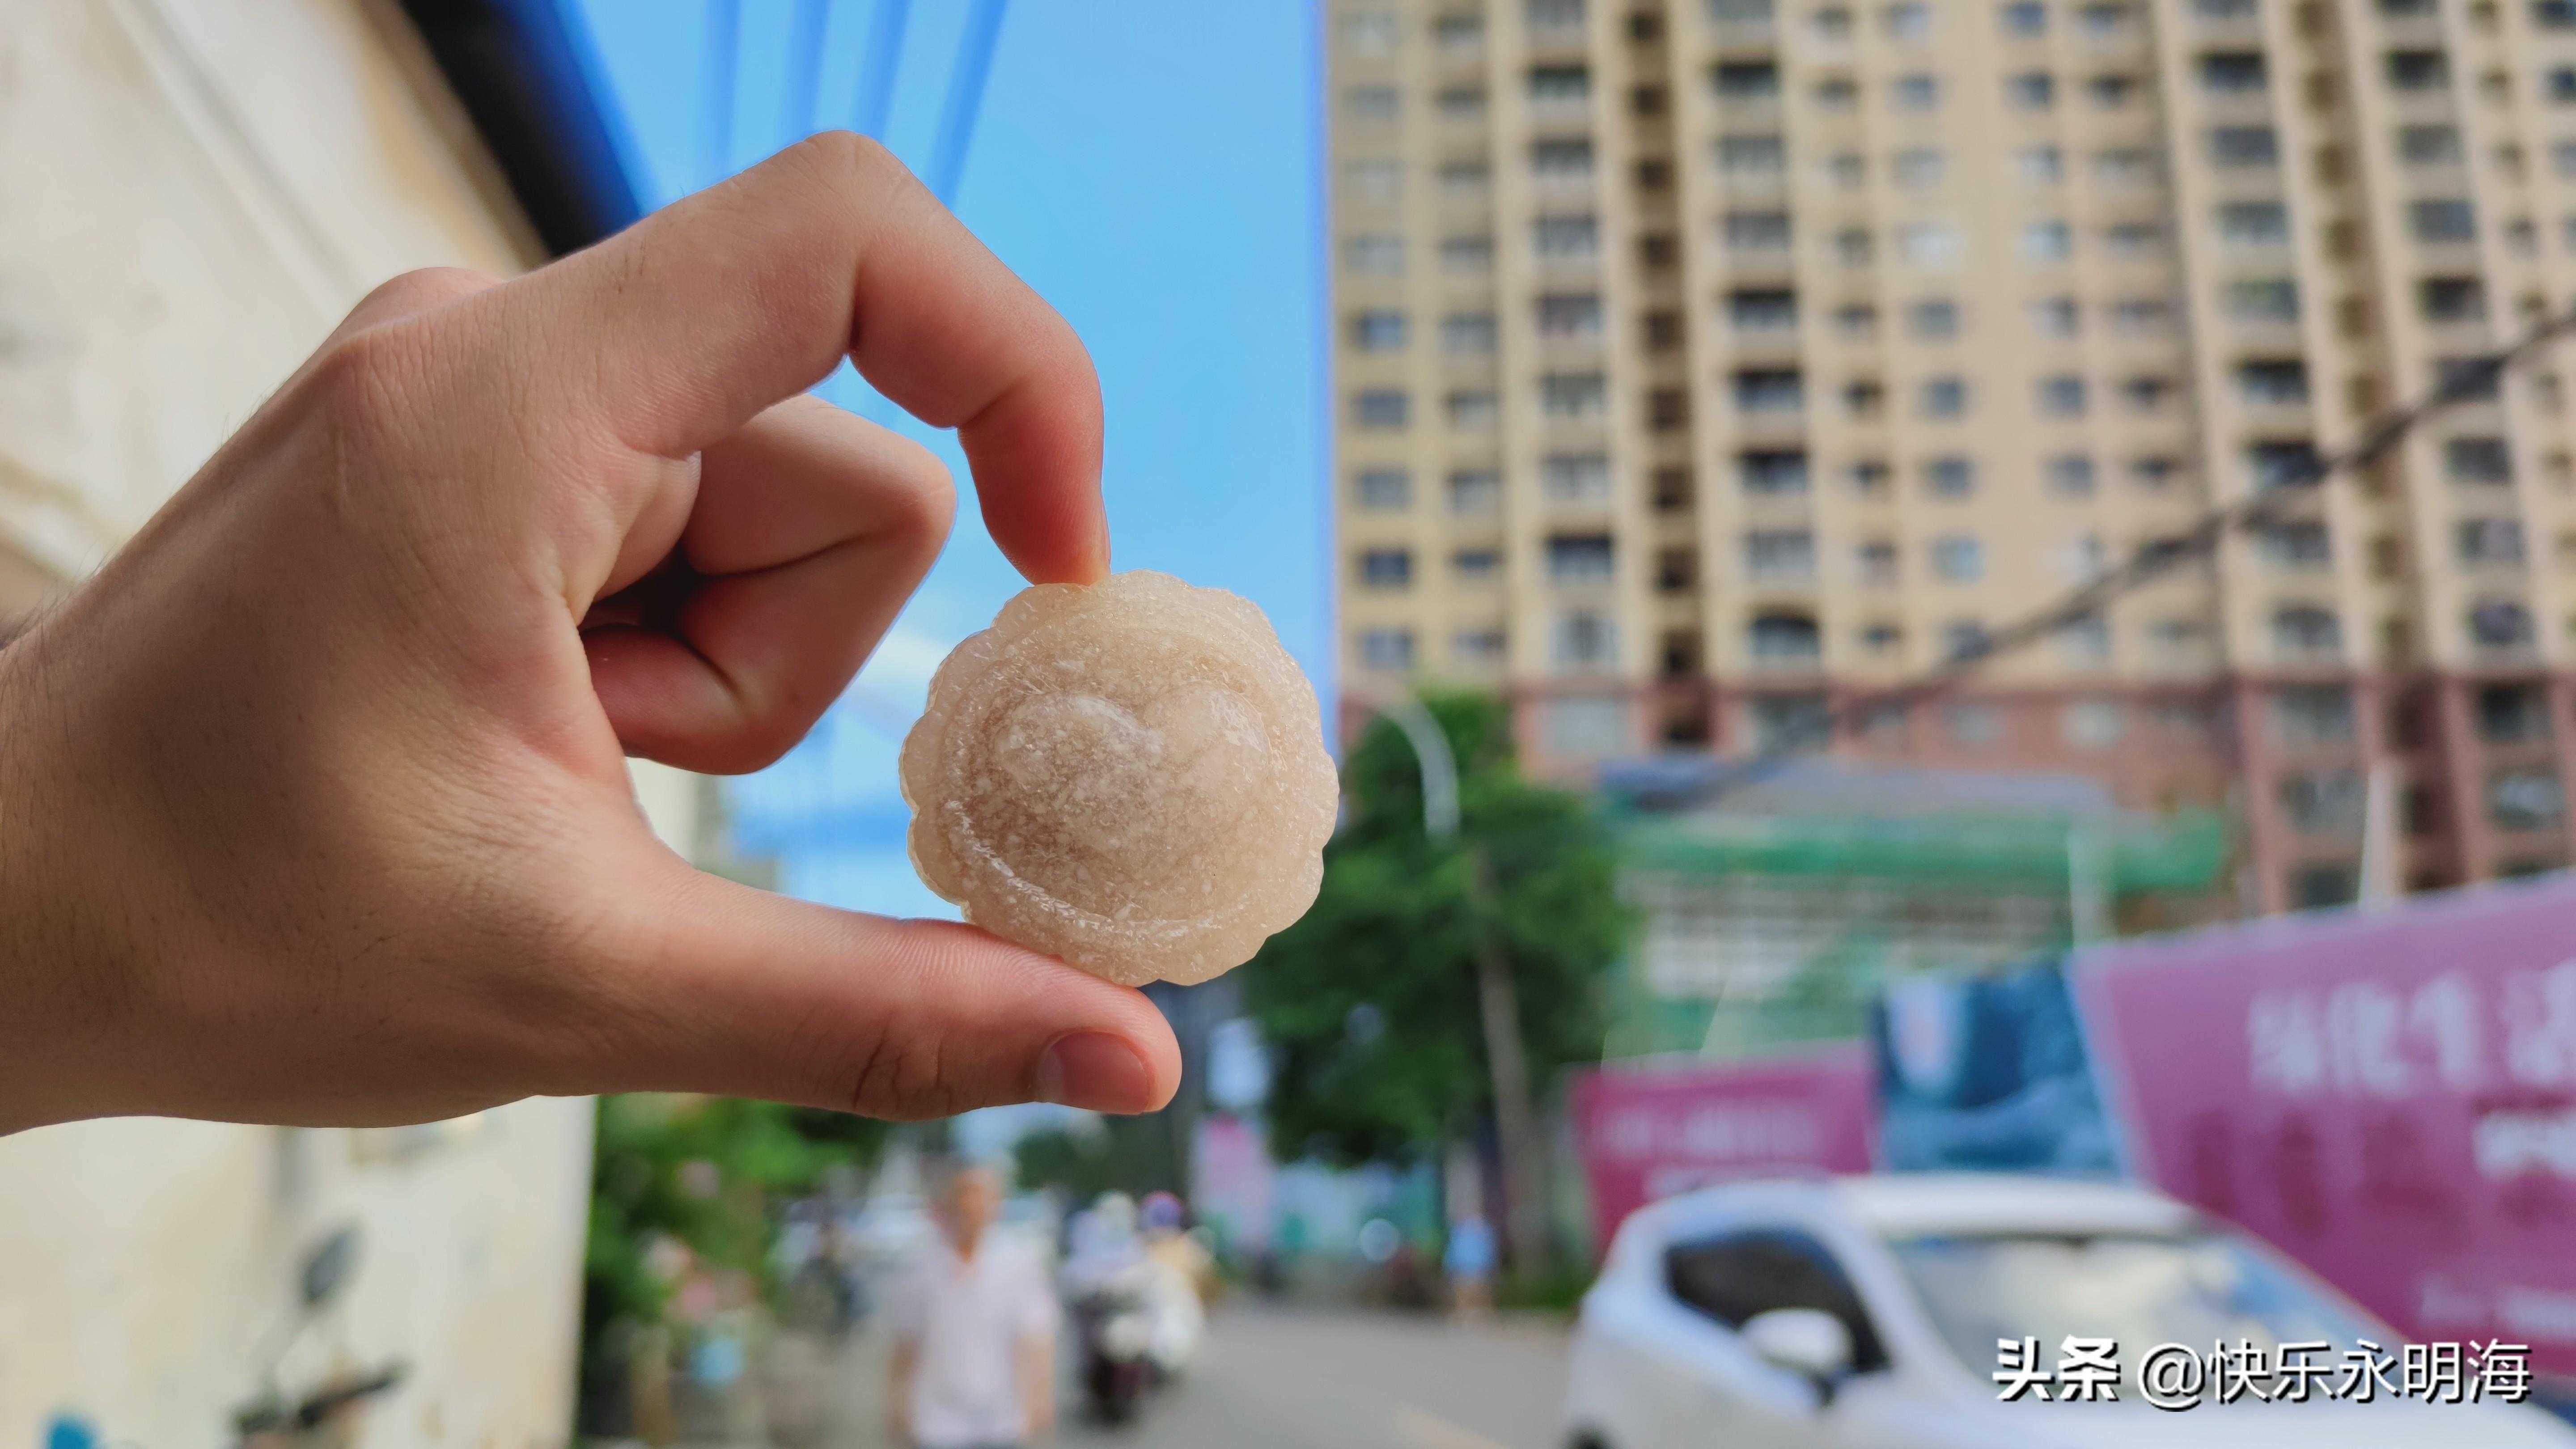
(974, 1326)
(1470, 1265)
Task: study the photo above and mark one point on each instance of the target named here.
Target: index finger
(683, 328)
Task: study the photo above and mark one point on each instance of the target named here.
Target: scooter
(1115, 1333)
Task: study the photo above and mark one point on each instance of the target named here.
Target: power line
(877, 68)
(965, 98)
(2468, 381)
(724, 46)
(808, 33)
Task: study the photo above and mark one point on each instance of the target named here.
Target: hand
(313, 802)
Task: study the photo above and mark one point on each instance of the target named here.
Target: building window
(1788, 721)
(1374, 256)
(2032, 90)
(1934, 319)
(1467, 256)
(1909, 20)
(1561, 158)
(1972, 723)
(1575, 478)
(1377, 331)
(1460, 34)
(1467, 334)
(1472, 411)
(1780, 555)
(1950, 476)
(1369, 104)
(2146, 393)
(2477, 460)
(1965, 639)
(1756, 231)
(1383, 490)
(2418, 70)
(2061, 396)
(1584, 639)
(2500, 626)
(1878, 563)
(1767, 311)
(2022, 18)
(2323, 802)
(2268, 299)
(2306, 632)
(1772, 390)
(2298, 544)
(1852, 246)
(1945, 397)
(1958, 559)
(1914, 92)
(2055, 317)
(2512, 714)
(1389, 650)
(1746, 157)
(1465, 180)
(2141, 317)
(2154, 473)
(2306, 716)
(1587, 727)
(2126, 167)
(2443, 221)
(2254, 224)
(1573, 394)
(2428, 145)
(1573, 237)
(2489, 542)
(2244, 146)
(2110, 92)
(2553, 14)
(1856, 321)
(1918, 168)
(1579, 558)
(2070, 475)
(1778, 639)
(1847, 170)
(1745, 80)
(1837, 93)
(1833, 24)
(2047, 241)
(1381, 409)
(1559, 84)
(1477, 565)
(1373, 180)
(2289, 463)
(2528, 798)
(1475, 493)
(2452, 299)
(2272, 382)
(2041, 165)
(1369, 33)
(2223, 9)
(1772, 474)
(1557, 16)
(2232, 72)
(1869, 478)
(1386, 568)
(1477, 647)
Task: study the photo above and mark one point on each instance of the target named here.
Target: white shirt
(966, 1320)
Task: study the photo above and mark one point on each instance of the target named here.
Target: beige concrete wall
(195, 191)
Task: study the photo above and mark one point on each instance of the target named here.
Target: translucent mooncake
(1128, 775)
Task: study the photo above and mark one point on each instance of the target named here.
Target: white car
(1864, 1313)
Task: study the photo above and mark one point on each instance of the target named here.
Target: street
(1269, 1378)
(1278, 1379)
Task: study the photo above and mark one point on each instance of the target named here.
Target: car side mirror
(1808, 1342)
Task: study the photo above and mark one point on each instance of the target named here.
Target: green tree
(1370, 1002)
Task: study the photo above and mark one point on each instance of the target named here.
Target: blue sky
(1155, 178)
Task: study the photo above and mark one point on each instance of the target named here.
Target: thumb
(748, 993)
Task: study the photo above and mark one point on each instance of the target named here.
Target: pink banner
(1650, 1132)
(2390, 1097)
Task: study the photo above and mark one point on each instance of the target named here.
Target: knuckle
(922, 501)
(421, 289)
(904, 1076)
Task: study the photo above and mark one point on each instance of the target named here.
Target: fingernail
(1095, 1070)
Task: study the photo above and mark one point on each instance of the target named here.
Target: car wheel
(1586, 1439)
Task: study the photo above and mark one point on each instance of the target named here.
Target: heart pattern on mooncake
(1130, 776)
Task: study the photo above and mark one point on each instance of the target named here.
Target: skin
(967, 1207)
(313, 801)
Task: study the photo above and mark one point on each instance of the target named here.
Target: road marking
(1429, 1431)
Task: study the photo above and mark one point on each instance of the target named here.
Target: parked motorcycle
(1115, 1334)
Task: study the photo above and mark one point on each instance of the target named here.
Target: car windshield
(2136, 1288)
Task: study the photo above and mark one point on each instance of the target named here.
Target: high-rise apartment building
(1703, 365)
